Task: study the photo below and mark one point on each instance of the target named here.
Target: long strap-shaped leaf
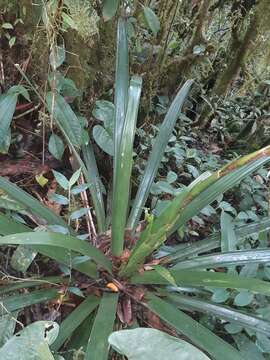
(95, 185)
(62, 256)
(222, 312)
(197, 333)
(157, 153)
(30, 203)
(79, 338)
(20, 301)
(235, 258)
(7, 109)
(204, 278)
(121, 88)
(124, 167)
(183, 251)
(98, 346)
(60, 241)
(74, 320)
(32, 282)
(189, 202)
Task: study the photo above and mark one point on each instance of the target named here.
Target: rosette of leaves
(129, 280)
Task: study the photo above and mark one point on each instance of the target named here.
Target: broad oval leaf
(31, 343)
(103, 139)
(65, 118)
(152, 20)
(56, 146)
(152, 344)
(104, 111)
(61, 179)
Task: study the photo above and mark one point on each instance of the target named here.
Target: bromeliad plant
(131, 275)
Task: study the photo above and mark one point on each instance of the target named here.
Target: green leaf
(198, 334)
(7, 108)
(74, 320)
(19, 90)
(59, 199)
(41, 180)
(22, 258)
(20, 301)
(76, 291)
(7, 26)
(95, 185)
(31, 343)
(98, 346)
(7, 327)
(228, 237)
(56, 146)
(75, 177)
(104, 111)
(204, 278)
(151, 20)
(171, 177)
(190, 202)
(61, 179)
(109, 9)
(235, 258)
(152, 344)
(57, 56)
(220, 295)
(120, 203)
(244, 298)
(58, 240)
(79, 189)
(213, 242)
(166, 274)
(263, 343)
(121, 90)
(156, 155)
(104, 139)
(78, 342)
(30, 203)
(78, 213)
(222, 312)
(31, 282)
(61, 255)
(65, 118)
(233, 328)
(12, 41)
(247, 348)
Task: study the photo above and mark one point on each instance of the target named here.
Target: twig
(27, 112)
